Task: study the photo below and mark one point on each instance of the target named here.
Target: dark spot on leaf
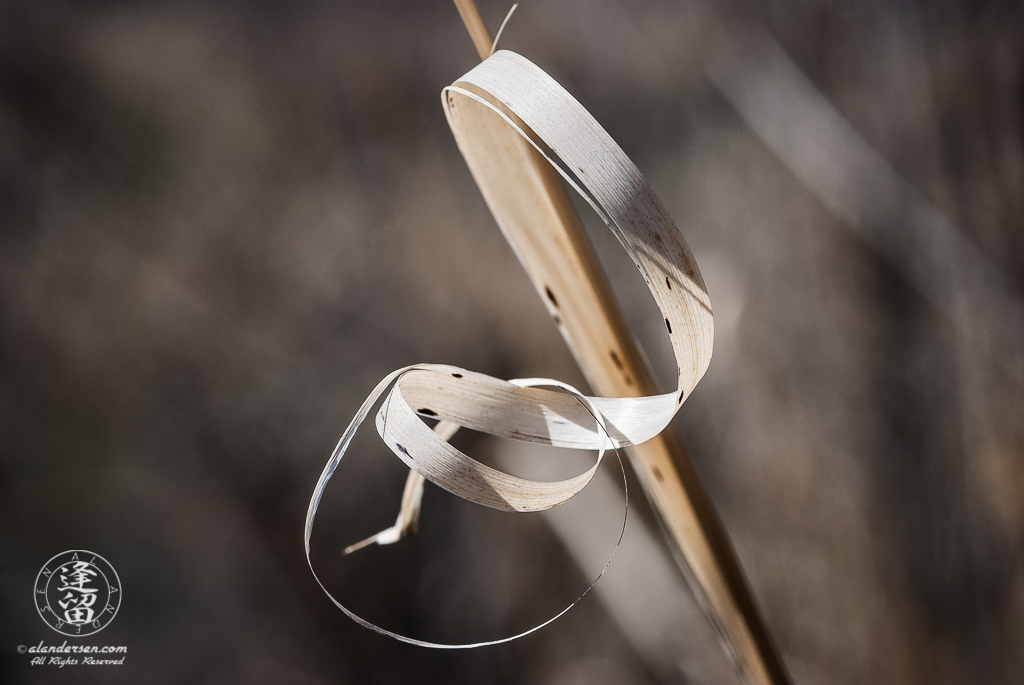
(615, 358)
(457, 375)
(428, 412)
(657, 474)
(402, 449)
(668, 283)
(669, 325)
(551, 295)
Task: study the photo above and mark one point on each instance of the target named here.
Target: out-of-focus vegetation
(224, 222)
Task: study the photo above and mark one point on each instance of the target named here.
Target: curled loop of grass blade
(508, 92)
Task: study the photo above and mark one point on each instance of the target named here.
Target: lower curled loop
(346, 440)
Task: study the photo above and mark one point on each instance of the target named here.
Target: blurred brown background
(224, 222)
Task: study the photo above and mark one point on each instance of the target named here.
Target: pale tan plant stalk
(561, 263)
